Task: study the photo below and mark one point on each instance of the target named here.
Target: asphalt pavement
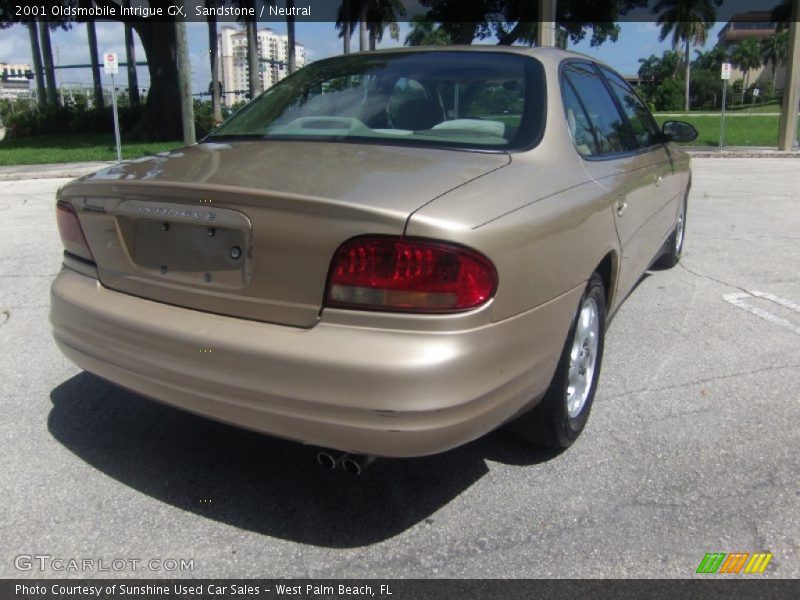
(691, 447)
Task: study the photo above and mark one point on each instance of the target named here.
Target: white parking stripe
(738, 300)
(783, 302)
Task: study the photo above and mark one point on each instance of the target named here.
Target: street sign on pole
(110, 63)
(111, 67)
(753, 101)
(725, 75)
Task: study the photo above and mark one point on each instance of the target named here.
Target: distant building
(746, 26)
(14, 80)
(634, 80)
(273, 51)
(752, 25)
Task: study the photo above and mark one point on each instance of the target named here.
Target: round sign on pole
(110, 64)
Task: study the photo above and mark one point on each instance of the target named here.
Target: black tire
(674, 247)
(550, 423)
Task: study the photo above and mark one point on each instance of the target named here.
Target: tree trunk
(41, 93)
(363, 41)
(161, 120)
(372, 42)
(185, 82)
(253, 57)
(49, 72)
(290, 34)
(96, 82)
(688, 73)
(347, 32)
(130, 55)
(213, 54)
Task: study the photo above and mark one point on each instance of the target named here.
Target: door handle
(657, 180)
(622, 205)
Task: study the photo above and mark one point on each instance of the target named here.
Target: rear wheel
(674, 249)
(559, 418)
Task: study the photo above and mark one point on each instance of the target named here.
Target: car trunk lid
(248, 229)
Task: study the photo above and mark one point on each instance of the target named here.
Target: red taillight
(71, 233)
(408, 274)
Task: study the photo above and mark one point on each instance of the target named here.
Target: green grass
(73, 148)
(757, 130)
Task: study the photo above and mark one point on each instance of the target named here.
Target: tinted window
(642, 122)
(609, 130)
(466, 99)
(580, 128)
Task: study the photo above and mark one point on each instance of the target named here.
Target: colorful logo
(736, 562)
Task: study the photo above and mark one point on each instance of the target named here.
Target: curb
(741, 154)
(65, 171)
(70, 171)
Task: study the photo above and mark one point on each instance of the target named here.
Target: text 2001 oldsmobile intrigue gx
(389, 253)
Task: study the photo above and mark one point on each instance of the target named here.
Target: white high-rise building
(273, 52)
(14, 82)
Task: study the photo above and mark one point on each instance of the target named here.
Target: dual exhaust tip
(354, 464)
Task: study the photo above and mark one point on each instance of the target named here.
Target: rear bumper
(370, 391)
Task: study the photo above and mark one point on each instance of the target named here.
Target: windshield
(479, 100)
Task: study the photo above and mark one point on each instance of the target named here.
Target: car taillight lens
(71, 233)
(408, 274)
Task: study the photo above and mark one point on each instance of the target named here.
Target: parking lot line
(738, 300)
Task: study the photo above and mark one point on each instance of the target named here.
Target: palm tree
(712, 59)
(688, 21)
(782, 14)
(380, 15)
(344, 24)
(96, 81)
(41, 94)
(352, 12)
(130, 56)
(49, 71)
(775, 51)
(426, 33)
(363, 38)
(747, 56)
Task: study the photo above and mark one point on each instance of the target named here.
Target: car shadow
(256, 482)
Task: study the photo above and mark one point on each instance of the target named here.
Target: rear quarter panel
(543, 221)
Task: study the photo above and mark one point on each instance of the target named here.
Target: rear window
(472, 100)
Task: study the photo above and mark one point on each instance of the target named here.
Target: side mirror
(679, 131)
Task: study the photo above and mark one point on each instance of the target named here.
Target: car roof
(548, 56)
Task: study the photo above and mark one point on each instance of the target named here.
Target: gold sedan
(388, 253)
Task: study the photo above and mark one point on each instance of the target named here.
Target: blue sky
(636, 40)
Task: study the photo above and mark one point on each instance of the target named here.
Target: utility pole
(185, 82)
(791, 94)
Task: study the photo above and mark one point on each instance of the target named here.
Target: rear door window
(642, 122)
(600, 116)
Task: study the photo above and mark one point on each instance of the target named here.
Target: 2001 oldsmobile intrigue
(389, 253)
